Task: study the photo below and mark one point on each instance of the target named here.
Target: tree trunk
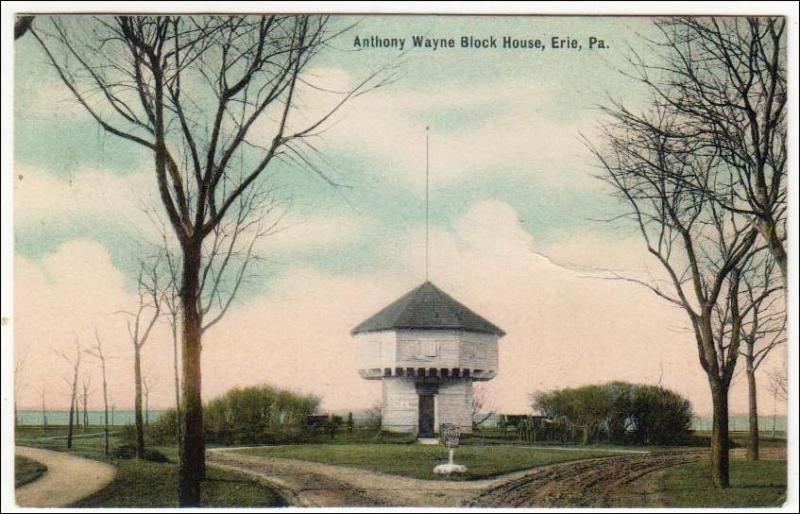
(105, 408)
(774, 420)
(72, 402)
(192, 449)
(137, 405)
(85, 412)
(753, 449)
(719, 434)
(768, 230)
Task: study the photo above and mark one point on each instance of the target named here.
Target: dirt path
(616, 481)
(312, 484)
(68, 478)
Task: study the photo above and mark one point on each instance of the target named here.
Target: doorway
(426, 415)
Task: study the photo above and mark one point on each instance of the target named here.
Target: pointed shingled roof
(427, 307)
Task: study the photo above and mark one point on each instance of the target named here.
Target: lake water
(742, 423)
(96, 417)
(126, 417)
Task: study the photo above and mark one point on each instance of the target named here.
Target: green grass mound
(27, 470)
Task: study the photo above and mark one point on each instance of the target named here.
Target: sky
(514, 227)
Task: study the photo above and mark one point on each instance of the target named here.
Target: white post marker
(449, 434)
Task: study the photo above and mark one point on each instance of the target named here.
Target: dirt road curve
(309, 484)
(68, 478)
(599, 483)
(577, 483)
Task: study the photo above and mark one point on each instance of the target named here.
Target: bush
(620, 412)
(154, 455)
(128, 451)
(394, 437)
(252, 415)
(163, 431)
(124, 451)
(127, 434)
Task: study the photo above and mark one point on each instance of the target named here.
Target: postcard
(433, 260)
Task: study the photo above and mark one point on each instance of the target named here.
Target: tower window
(427, 349)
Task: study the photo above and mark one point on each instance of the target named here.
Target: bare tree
(727, 78)
(704, 171)
(83, 397)
(140, 324)
(44, 410)
(481, 406)
(763, 329)
(374, 416)
(19, 366)
(228, 257)
(97, 353)
(172, 304)
(146, 385)
(700, 246)
(215, 100)
(75, 363)
(779, 388)
(779, 383)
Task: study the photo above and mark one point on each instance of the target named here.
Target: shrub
(154, 455)
(124, 451)
(128, 451)
(620, 412)
(127, 434)
(374, 416)
(394, 437)
(251, 415)
(163, 431)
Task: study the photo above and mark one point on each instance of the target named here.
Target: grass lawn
(753, 484)
(151, 484)
(418, 461)
(26, 470)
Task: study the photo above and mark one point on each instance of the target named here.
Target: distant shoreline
(738, 422)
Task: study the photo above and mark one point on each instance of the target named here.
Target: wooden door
(426, 415)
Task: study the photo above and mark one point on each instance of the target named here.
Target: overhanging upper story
(427, 353)
(427, 333)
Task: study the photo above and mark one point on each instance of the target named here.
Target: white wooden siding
(478, 351)
(454, 404)
(400, 411)
(376, 350)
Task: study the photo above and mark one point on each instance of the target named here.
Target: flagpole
(427, 203)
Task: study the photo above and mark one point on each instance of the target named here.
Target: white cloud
(514, 128)
(304, 233)
(84, 197)
(583, 250)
